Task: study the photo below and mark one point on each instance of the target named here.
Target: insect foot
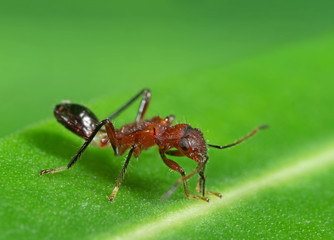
(46, 171)
(52, 170)
(113, 194)
(191, 196)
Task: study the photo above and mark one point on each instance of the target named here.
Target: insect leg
(143, 105)
(176, 167)
(201, 184)
(201, 181)
(174, 153)
(112, 139)
(142, 108)
(121, 175)
(185, 178)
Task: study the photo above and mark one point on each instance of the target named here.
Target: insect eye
(184, 144)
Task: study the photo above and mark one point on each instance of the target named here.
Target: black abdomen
(76, 118)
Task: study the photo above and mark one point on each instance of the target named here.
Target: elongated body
(177, 140)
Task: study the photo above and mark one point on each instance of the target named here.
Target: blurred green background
(85, 50)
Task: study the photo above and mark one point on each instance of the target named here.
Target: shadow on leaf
(99, 162)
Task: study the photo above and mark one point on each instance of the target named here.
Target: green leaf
(279, 178)
(260, 64)
(278, 219)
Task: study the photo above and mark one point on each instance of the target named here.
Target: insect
(174, 140)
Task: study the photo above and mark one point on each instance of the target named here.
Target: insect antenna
(240, 140)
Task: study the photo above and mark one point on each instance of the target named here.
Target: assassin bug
(177, 140)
